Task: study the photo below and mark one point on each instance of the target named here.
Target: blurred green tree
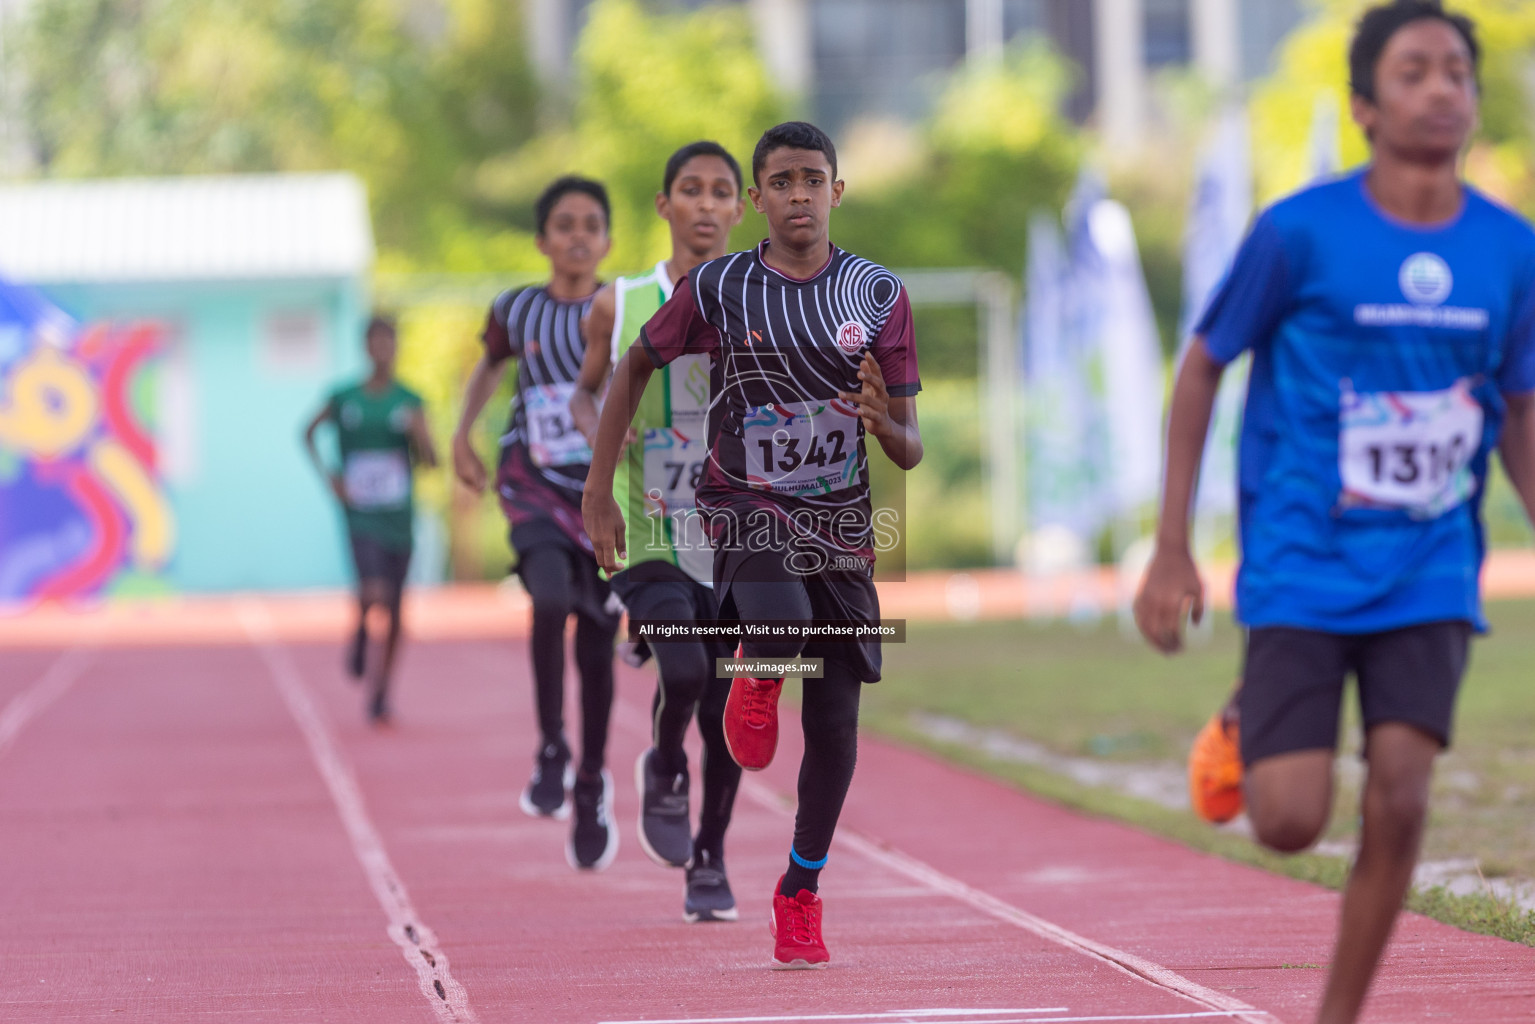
(958, 191)
(408, 96)
(647, 83)
(995, 149)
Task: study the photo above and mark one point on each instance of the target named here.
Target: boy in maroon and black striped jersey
(811, 350)
(542, 470)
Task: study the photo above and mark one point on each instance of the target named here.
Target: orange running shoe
(1215, 769)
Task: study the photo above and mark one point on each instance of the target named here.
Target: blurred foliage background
(434, 105)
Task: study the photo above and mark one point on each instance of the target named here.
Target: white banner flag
(1222, 206)
(1119, 329)
(1326, 158)
(1063, 483)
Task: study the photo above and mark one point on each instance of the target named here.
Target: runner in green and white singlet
(670, 570)
(656, 477)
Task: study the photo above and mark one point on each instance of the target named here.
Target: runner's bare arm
(332, 479)
(1517, 448)
(893, 421)
(1172, 586)
(597, 329)
(481, 385)
(603, 518)
(421, 440)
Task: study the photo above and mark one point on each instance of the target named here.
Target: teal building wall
(230, 407)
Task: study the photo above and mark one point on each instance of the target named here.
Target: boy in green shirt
(380, 429)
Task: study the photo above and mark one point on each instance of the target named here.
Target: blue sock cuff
(808, 865)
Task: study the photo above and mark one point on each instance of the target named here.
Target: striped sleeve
(500, 341)
(896, 351)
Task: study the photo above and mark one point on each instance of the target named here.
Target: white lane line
(35, 699)
(416, 941)
(925, 874)
(900, 1016)
(926, 1016)
(1135, 966)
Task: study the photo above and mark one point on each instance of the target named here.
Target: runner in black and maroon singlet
(543, 466)
(811, 348)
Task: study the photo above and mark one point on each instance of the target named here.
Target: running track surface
(210, 832)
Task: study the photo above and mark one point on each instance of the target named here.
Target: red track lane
(170, 855)
(173, 853)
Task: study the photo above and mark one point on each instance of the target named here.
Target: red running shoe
(796, 928)
(751, 720)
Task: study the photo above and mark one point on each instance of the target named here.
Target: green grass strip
(1483, 913)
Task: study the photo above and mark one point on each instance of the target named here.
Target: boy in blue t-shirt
(1391, 317)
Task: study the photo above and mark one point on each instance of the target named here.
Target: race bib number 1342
(1409, 450)
(802, 447)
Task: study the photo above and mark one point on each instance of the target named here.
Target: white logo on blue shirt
(1426, 279)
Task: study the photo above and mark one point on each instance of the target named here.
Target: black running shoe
(379, 715)
(663, 828)
(709, 897)
(593, 836)
(544, 796)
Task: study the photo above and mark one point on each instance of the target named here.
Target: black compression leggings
(686, 685)
(765, 589)
(549, 576)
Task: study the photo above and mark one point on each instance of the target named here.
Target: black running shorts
(834, 596)
(379, 563)
(1292, 683)
(650, 589)
(590, 596)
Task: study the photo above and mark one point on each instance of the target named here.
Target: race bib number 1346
(1409, 450)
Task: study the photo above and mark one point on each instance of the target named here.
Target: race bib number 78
(1409, 450)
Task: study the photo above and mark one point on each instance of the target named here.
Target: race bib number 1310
(1409, 450)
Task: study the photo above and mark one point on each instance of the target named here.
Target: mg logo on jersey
(1426, 279)
(851, 336)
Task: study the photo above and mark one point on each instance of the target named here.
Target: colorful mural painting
(82, 510)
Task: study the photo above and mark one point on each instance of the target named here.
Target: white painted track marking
(1135, 966)
(930, 877)
(35, 699)
(925, 1016)
(898, 1016)
(419, 945)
